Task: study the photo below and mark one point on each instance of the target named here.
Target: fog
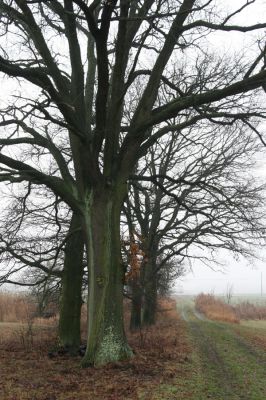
(244, 276)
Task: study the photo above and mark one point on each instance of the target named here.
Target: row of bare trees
(166, 219)
(211, 204)
(123, 106)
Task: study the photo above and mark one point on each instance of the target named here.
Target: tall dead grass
(15, 307)
(21, 308)
(215, 309)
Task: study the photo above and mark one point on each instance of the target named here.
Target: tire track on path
(227, 361)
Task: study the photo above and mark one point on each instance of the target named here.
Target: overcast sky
(244, 275)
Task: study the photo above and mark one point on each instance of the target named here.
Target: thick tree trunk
(136, 305)
(150, 294)
(106, 337)
(71, 294)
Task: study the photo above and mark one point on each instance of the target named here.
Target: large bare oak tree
(82, 62)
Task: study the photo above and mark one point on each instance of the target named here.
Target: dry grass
(15, 307)
(20, 308)
(215, 309)
(28, 373)
(254, 338)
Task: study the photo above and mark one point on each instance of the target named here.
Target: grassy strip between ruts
(225, 364)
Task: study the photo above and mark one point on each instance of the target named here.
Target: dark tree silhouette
(82, 62)
(42, 247)
(191, 192)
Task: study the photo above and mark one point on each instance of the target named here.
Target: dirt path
(228, 366)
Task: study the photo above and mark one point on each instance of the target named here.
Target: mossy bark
(106, 336)
(136, 305)
(150, 294)
(71, 293)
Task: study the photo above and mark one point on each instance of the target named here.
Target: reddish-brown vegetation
(21, 307)
(15, 307)
(215, 309)
(28, 373)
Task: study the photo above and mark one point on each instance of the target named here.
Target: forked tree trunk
(71, 294)
(150, 296)
(106, 336)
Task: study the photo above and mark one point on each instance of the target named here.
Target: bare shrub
(24, 334)
(247, 310)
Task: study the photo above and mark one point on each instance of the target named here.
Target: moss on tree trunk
(150, 294)
(71, 293)
(106, 336)
(136, 304)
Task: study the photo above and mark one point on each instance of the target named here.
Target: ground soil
(186, 357)
(27, 372)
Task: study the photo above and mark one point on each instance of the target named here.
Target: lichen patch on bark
(112, 348)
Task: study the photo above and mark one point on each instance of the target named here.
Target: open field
(254, 324)
(252, 298)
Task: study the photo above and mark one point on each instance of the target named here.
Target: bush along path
(224, 365)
